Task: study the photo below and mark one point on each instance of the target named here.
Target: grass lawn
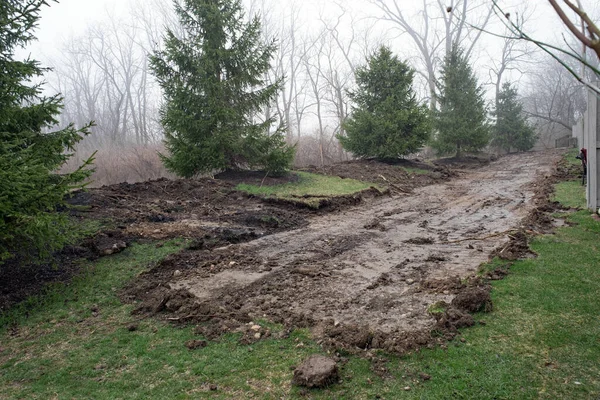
(310, 189)
(541, 341)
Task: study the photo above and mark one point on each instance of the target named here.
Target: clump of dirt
(498, 273)
(474, 299)
(352, 335)
(420, 240)
(452, 320)
(516, 248)
(316, 372)
(106, 243)
(451, 285)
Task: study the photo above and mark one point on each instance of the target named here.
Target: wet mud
(396, 273)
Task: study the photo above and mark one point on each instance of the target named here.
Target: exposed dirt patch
(362, 278)
(474, 299)
(204, 209)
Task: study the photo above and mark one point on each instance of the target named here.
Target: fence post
(592, 143)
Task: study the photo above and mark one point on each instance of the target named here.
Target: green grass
(416, 171)
(541, 341)
(570, 194)
(310, 189)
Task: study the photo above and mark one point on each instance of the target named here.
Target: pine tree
(461, 120)
(30, 189)
(213, 87)
(511, 130)
(387, 121)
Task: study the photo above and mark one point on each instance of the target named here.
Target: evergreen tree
(512, 130)
(213, 88)
(387, 121)
(30, 190)
(461, 120)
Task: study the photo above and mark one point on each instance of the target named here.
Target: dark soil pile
(208, 210)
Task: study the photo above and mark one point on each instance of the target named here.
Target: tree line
(104, 72)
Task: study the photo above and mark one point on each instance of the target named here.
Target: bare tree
(432, 40)
(587, 36)
(513, 53)
(553, 99)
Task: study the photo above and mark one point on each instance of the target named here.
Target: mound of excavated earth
(365, 277)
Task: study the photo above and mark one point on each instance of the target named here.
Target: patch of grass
(570, 157)
(570, 194)
(416, 171)
(311, 189)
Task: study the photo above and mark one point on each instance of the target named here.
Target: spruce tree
(511, 130)
(213, 84)
(387, 121)
(461, 118)
(30, 189)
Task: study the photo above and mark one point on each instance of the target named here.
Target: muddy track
(377, 267)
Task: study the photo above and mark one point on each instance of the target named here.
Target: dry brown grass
(130, 163)
(115, 164)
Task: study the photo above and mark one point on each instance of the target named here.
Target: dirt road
(378, 266)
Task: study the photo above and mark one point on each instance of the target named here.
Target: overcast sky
(68, 17)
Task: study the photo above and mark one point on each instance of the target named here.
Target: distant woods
(104, 72)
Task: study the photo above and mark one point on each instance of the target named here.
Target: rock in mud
(315, 372)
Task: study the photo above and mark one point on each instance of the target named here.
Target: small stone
(446, 292)
(407, 388)
(232, 263)
(255, 328)
(156, 231)
(577, 383)
(410, 281)
(257, 335)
